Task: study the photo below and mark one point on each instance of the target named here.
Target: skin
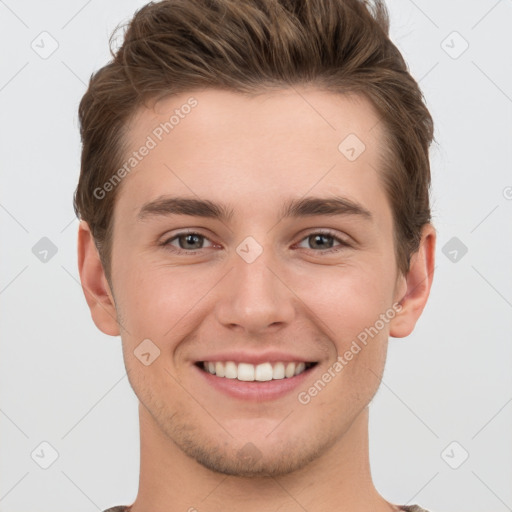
(253, 154)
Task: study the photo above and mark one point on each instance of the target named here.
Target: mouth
(263, 372)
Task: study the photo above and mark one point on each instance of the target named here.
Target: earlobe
(418, 282)
(94, 283)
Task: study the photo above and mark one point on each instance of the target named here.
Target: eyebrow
(304, 207)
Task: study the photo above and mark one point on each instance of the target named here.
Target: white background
(63, 381)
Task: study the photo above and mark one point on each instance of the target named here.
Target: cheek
(158, 301)
(348, 308)
(160, 305)
(346, 300)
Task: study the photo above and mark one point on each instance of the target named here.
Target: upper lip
(256, 358)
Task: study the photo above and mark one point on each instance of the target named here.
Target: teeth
(300, 368)
(250, 372)
(263, 372)
(230, 370)
(278, 371)
(245, 371)
(290, 370)
(220, 370)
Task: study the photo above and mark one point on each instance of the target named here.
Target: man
(255, 224)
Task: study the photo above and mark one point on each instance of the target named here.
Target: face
(261, 276)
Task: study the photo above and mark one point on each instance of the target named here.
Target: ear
(94, 283)
(413, 289)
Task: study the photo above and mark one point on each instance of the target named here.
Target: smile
(248, 372)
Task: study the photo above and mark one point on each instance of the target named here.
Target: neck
(338, 480)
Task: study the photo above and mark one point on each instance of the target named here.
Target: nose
(255, 296)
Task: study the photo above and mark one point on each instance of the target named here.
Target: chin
(249, 461)
(244, 454)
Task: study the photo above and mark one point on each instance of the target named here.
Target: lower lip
(255, 390)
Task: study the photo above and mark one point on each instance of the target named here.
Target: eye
(187, 242)
(324, 242)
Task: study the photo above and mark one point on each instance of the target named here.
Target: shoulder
(413, 508)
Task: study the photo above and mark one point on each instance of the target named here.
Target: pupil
(316, 238)
(191, 239)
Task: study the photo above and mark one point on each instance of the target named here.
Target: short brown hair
(250, 46)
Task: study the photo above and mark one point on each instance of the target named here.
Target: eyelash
(342, 243)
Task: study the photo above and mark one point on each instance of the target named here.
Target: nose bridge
(254, 297)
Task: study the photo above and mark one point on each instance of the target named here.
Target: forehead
(221, 144)
(313, 114)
